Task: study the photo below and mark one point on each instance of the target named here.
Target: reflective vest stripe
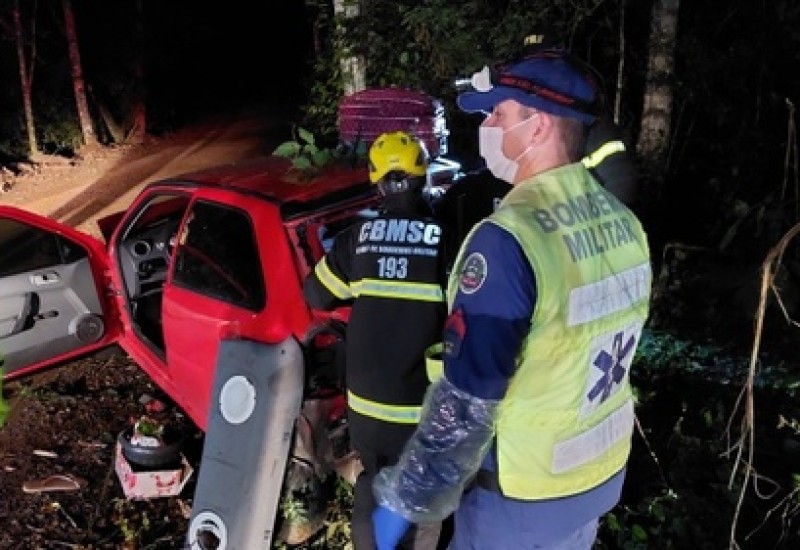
(601, 153)
(334, 284)
(424, 292)
(595, 442)
(397, 414)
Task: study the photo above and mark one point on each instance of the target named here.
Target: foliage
(749, 120)
(662, 354)
(308, 158)
(681, 489)
(131, 523)
(624, 525)
(335, 533)
(303, 151)
(325, 79)
(12, 140)
(426, 45)
(56, 133)
(148, 427)
(730, 153)
(728, 145)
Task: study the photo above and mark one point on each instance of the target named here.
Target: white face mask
(490, 145)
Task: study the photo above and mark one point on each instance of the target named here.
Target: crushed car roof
(275, 179)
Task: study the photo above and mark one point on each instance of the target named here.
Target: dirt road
(79, 191)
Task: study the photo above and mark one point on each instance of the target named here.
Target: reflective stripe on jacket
(399, 290)
(397, 414)
(602, 153)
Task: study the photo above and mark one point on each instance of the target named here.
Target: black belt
(487, 479)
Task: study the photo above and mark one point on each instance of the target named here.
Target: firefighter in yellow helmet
(388, 268)
(397, 152)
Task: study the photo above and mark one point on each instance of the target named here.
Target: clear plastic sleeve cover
(454, 434)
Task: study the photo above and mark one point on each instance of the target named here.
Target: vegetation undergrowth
(684, 489)
(335, 531)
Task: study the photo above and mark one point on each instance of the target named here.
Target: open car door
(55, 302)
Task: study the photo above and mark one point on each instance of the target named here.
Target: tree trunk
(114, 128)
(26, 79)
(85, 119)
(353, 70)
(617, 112)
(139, 112)
(654, 136)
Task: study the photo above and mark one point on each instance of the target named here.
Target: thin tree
(654, 136)
(138, 107)
(26, 74)
(85, 120)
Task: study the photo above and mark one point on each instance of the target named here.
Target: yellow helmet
(396, 152)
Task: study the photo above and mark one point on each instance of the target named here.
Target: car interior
(144, 254)
(47, 295)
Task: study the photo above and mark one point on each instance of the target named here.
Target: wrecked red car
(199, 281)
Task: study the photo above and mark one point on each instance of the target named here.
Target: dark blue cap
(545, 81)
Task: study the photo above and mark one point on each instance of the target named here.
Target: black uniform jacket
(391, 265)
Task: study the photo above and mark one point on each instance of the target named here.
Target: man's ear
(543, 126)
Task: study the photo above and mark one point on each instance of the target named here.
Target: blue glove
(389, 528)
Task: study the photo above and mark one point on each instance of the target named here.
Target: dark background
(213, 56)
(201, 58)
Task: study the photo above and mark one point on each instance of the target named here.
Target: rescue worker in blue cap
(526, 435)
(477, 194)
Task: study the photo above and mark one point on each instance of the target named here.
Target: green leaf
(289, 149)
(305, 135)
(321, 158)
(301, 163)
(613, 522)
(638, 533)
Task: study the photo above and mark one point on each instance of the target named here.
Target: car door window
(217, 256)
(26, 248)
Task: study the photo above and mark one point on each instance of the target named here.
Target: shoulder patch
(455, 328)
(473, 273)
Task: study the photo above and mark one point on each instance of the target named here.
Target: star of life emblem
(611, 360)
